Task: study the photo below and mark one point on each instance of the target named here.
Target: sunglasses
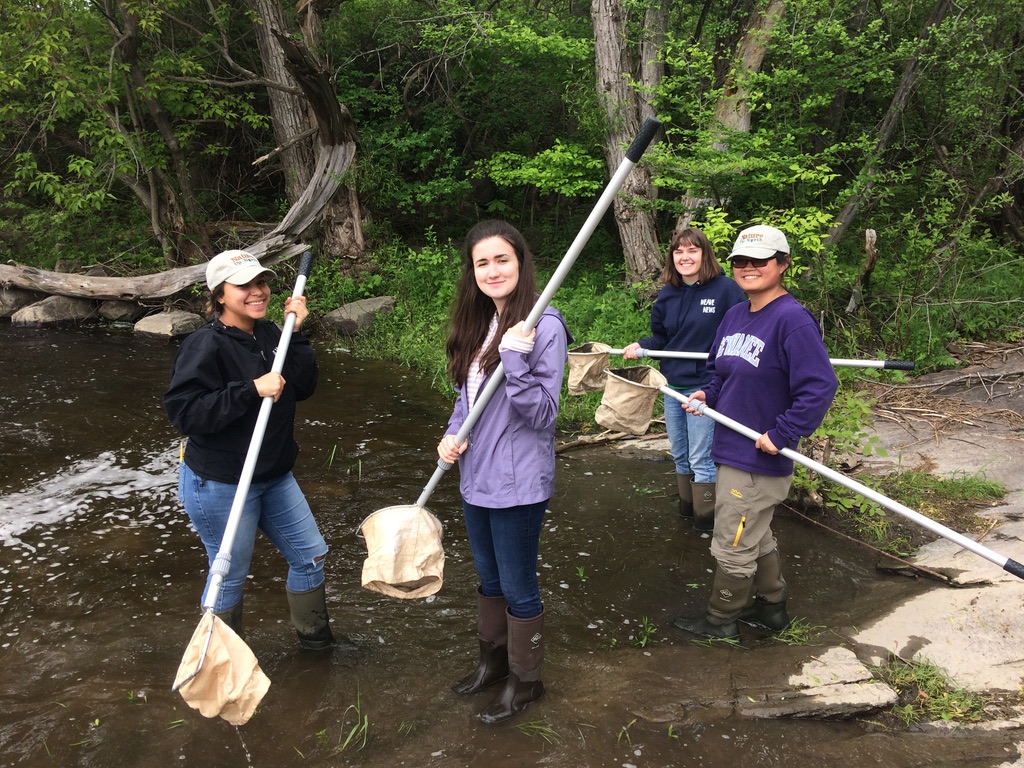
(743, 262)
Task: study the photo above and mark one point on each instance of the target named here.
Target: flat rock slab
(833, 683)
(769, 682)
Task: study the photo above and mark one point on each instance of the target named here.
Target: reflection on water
(101, 575)
(139, 494)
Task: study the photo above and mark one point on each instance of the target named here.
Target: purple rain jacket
(510, 460)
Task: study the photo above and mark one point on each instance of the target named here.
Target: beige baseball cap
(235, 267)
(760, 242)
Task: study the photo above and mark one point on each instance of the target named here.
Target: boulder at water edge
(169, 325)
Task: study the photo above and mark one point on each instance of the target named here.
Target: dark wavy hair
(709, 266)
(213, 306)
(473, 309)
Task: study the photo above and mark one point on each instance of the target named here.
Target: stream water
(100, 579)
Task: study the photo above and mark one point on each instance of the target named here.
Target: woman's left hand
(766, 445)
(517, 332)
(296, 304)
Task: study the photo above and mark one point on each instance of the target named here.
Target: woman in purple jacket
(684, 318)
(770, 372)
(507, 466)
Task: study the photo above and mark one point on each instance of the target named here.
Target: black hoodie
(213, 401)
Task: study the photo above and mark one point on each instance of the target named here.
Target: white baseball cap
(760, 242)
(235, 267)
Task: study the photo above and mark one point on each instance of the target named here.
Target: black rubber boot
(233, 618)
(729, 594)
(768, 610)
(525, 659)
(685, 495)
(771, 616)
(492, 629)
(703, 507)
(311, 622)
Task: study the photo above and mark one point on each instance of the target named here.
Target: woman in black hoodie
(220, 376)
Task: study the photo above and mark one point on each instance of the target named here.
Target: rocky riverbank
(966, 421)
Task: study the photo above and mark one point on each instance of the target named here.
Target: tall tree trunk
(174, 212)
(624, 113)
(885, 132)
(288, 108)
(339, 225)
(732, 111)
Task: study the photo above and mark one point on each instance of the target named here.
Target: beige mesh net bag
(587, 366)
(628, 401)
(404, 556)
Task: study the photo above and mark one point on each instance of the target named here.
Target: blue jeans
(505, 545)
(690, 437)
(277, 507)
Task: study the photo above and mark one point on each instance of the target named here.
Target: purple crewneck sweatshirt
(771, 373)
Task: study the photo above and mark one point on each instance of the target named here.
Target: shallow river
(100, 578)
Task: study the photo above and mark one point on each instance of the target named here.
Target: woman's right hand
(270, 385)
(630, 352)
(449, 451)
(699, 397)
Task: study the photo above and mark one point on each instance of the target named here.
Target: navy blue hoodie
(685, 319)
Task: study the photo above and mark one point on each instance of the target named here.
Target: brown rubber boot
(685, 495)
(492, 630)
(729, 594)
(703, 506)
(768, 609)
(525, 659)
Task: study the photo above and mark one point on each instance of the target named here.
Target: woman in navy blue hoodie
(684, 318)
(507, 466)
(771, 373)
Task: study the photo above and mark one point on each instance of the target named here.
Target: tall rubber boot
(310, 619)
(525, 659)
(233, 618)
(729, 595)
(685, 495)
(768, 609)
(492, 631)
(703, 506)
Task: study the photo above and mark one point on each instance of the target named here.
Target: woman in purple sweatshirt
(507, 466)
(770, 372)
(684, 318)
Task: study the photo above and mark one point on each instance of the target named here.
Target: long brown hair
(709, 266)
(473, 309)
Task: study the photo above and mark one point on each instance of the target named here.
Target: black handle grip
(643, 139)
(899, 365)
(1012, 566)
(306, 265)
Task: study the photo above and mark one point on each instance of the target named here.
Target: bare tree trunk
(624, 113)
(176, 218)
(867, 268)
(732, 111)
(288, 108)
(340, 223)
(886, 130)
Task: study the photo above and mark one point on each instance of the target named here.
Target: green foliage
(920, 489)
(114, 238)
(644, 635)
(564, 169)
(799, 632)
(928, 694)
